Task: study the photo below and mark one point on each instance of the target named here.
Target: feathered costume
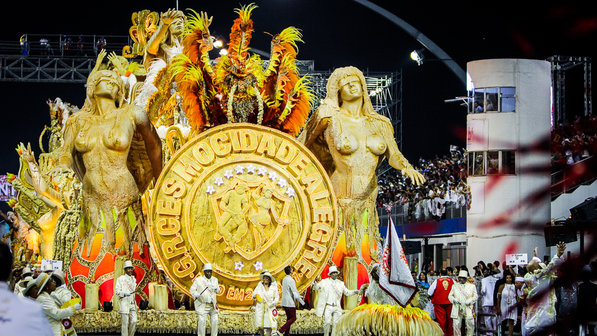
(237, 88)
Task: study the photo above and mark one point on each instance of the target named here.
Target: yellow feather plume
(244, 12)
(374, 319)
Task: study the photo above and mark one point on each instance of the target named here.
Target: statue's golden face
(351, 89)
(177, 26)
(107, 87)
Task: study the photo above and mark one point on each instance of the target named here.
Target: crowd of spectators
(545, 299)
(573, 142)
(445, 185)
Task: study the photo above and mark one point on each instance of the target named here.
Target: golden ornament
(243, 198)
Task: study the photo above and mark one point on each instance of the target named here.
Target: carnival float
(177, 160)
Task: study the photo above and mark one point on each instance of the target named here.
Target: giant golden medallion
(244, 198)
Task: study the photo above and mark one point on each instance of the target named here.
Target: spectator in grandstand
(446, 186)
(572, 142)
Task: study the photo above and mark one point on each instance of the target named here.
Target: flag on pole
(394, 274)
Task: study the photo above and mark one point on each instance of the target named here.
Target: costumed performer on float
(204, 290)
(330, 294)
(290, 296)
(373, 291)
(350, 139)
(126, 285)
(266, 297)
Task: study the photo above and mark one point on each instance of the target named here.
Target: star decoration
(290, 192)
(210, 190)
(282, 183)
(262, 171)
(239, 169)
(219, 181)
(273, 176)
(258, 266)
(239, 266)
(228, 174)
(250, 169)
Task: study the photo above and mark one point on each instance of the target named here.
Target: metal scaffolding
(45, 70)
(560, 65)
(384, 89)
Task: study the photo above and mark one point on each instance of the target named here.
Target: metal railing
(64, 45)
(569, 178)
(400, 214)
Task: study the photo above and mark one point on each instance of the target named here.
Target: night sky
(337, 33)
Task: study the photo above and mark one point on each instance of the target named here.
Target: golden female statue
(115, 151)
(351, 139)
(162, 46)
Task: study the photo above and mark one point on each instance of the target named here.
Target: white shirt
(487, 288)
(330, 294)
(21, 316)
(62, 294)
(204, 290)
(290, 293)
(126, 284)
(462, 296)
(376, 295)
(54, 314)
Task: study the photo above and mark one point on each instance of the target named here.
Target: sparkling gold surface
(244, 198)
(184, 321)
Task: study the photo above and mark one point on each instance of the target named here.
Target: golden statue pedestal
(351, 273)
(91, 297)
(185, 321)
(158, 296)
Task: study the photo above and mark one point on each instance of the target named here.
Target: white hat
(58, 274)
(30, 284)
(463, 274)
(207, 267)
(42, 280)
(128, 264)
(25, 281)
(47, 268)
(519, 279)
(333, 269)
(266, 274)
(27, 270)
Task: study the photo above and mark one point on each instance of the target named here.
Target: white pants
(203, 310)
(490, 321)
(331, 315)
(469, 324)
(129, 323)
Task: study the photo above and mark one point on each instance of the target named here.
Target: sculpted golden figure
(165, 43)
(351, 139)
(115, 151)
(234, 204)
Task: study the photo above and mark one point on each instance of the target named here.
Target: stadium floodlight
(417, 56)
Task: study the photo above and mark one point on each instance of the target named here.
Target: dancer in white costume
(330, 293)
(540, 311)
(204, 290)
(463, 296)
(125, 289)
(266, 297)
